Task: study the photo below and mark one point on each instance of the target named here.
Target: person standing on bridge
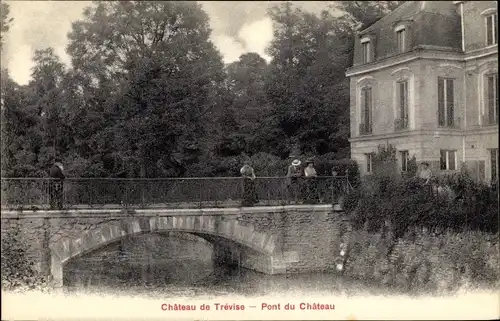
(311, 188)
(249, 190)
(293, 176)
(56, 186)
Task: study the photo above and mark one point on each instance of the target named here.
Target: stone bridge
(268, 239)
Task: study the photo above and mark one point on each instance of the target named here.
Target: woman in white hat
(249, 191)
(293, 174)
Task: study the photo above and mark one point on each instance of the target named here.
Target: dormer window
(491, 29)
(366, 50)
(401, 38)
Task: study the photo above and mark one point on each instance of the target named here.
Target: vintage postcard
(249, 160)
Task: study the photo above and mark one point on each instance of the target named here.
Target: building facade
(424, 79)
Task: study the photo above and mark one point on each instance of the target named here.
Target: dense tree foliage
(5, 19)
(148, 94)
(18, 271)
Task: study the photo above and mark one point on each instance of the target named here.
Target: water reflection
(181, 265)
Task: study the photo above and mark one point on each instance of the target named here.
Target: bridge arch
(263, 243)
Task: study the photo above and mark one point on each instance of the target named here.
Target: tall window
(494, 163)
(404, 160)
(401, 37)
(366, 110)
(491, 29)
(448, 160)
(369, 159)
(366, 51)
(403, 103)
(446, 100)
(492, 99)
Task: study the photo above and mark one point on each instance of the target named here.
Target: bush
(325, 164)
(387, 198)
(405, 205)
(269, 165)
(17, 270)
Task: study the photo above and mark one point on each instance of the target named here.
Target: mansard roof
(410, 9)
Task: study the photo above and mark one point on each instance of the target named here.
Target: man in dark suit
(56, 186)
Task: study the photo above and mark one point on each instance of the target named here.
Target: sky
(237, 27)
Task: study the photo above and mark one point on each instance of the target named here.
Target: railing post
(200, 189)
(143, 201)
(91, 195)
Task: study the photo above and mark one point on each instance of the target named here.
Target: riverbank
(425, 262)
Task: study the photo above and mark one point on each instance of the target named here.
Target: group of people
(298, 189)
(307, 192)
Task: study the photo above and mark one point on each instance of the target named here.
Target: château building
(425, 80)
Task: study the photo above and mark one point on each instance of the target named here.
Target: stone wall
(425, 261)
(271, 240)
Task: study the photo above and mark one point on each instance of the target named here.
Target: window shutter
(494, 162)
(495, 27)
(489, 30)
(492, 98)
(441, 101)
(401, 100)
(443, 160)
(452, 158)
(405, 95)
(363, 107)
(450, 101)
(369, 107)
(495, 88)
(373, 48)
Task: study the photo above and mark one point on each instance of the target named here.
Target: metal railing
(34, 193)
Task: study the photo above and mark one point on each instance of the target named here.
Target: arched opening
(146, 259)
(148, 247)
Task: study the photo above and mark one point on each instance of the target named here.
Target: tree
(306, 86)
(153, 68)
(363, 14)
(250, 109)
(20, 135)
(5, 19)
(45, 96)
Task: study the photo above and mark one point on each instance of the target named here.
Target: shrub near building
(406, 239)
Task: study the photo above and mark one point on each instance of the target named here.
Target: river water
(141, 276)
(181, 264)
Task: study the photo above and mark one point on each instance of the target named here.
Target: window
(494, 163)
(368, 158)
(404, 160)
(446, 99)
(448, 160)
(366, 51)
(401, 37)
(492, 99)
(403, 103)
(491, 29)
(366, 110)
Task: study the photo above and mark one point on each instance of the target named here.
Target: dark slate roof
(409, 9)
